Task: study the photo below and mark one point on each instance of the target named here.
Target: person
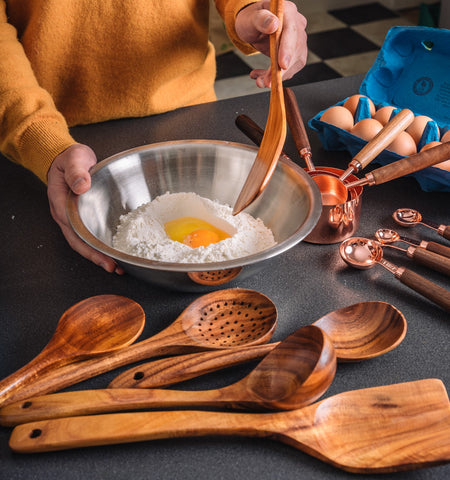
(87, 61)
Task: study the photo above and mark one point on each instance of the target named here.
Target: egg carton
(412, 70)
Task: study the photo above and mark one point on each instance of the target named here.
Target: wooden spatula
(382, 429)
(275, 131)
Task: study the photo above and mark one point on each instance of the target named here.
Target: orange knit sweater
(85, 61)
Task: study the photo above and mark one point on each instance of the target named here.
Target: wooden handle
(89, 402)
(408, 165)
(167, 371)
(382, 140)
(438, 248)
(425, 287)
(74, 432)
(445, 232)
(429, 259)
(77, 372)
(297, 127)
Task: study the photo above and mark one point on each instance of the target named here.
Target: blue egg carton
(412, 70)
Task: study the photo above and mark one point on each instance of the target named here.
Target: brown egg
(417, 127)
(338, 116)
(366, 128)
(444, 165)
(383, 114)
(403, 144)
(352, 104)
(446, 137)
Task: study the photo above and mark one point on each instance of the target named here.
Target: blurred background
(344, 38)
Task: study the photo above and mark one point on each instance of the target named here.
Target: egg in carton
(412, 70)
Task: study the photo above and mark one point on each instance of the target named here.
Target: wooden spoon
(358, 332)
(374, 430)
(294, 374)
(94, 326)
(275, 134)
(220, 319)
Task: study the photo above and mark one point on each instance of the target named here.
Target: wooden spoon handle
(77, 372)
(74, 432)
(382, 140)
(408, 165)
(89, 402)
(168, 371)
(429, 259)
(425, 287)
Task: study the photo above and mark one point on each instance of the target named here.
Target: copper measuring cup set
(341, 190)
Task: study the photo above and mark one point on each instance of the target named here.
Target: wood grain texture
(217, 320)
(381, 429)
(94, 326)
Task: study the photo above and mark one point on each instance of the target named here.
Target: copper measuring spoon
(407, 217)
(94, 326)
(275, 135)
(386, 236)
(218, 320)
(403, 426)
(363, 253)
(423, 257)
(358, 332)
(294, 374)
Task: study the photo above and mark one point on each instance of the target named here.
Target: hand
(255, 23)
(70, 171)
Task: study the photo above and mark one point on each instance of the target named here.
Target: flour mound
(141, 232)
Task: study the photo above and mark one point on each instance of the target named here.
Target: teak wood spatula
(381, 429)
(275, 131)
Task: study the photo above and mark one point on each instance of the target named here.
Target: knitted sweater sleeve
(228, 9)
(32, 131)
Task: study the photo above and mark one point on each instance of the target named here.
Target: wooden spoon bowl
(95, 326)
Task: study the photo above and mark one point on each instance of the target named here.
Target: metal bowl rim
(125, 258)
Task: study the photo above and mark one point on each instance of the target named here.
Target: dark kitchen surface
(41, 277)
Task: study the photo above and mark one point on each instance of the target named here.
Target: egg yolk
(194, 232)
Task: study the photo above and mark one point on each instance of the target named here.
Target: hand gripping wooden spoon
(94, 326)
(217, 320)
(358, 332)
(275, 134)
(294, 374)
(375, 430)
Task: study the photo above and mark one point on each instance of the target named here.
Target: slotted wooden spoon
(358, 332)
(294, 374)
(94, 326)
(275, 132)
(220, 319)
(381, 429)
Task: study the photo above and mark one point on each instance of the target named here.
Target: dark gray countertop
(41, 277)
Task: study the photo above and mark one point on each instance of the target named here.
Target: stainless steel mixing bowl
(290, 205)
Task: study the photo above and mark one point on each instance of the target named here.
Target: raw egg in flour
(194, 232)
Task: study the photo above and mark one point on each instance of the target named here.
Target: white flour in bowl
(141, 232)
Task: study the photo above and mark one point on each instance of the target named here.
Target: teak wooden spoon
(220, 319)
(94, 326)
(294, 374)
(275, 134)
(381, 429)
(358, 332)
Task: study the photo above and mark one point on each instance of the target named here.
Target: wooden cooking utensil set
(355, 431)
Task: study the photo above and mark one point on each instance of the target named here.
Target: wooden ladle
(389, 428)
(275, 133)
(294, 374)
(358, 332)
(94, 326)
(221, 319)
